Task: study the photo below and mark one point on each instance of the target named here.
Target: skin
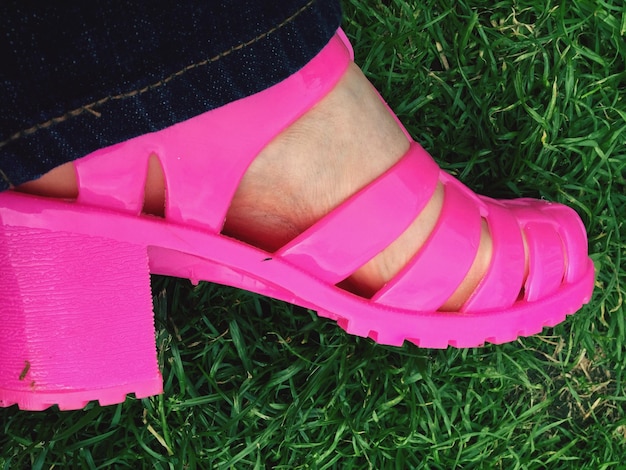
(342, 144)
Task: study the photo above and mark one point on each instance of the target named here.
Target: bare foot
(342, 144)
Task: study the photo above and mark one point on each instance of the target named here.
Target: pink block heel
(77, 321)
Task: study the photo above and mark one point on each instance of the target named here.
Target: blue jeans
(75, 79)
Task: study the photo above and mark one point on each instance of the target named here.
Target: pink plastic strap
(501, 285)
(542, 222)
(546, 265)
(205, 157)
(115, 177)
(574, 237)
(352, 234)
(437, 270)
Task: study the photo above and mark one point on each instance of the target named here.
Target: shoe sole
(77, 322)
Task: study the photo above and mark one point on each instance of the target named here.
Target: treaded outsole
(355, 328)
(29, 401)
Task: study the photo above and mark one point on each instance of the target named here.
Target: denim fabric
(80, 77)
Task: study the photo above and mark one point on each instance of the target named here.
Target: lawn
(516, 98)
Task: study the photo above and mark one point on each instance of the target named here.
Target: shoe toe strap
(546, 265)
(444, 260)
(548, 251)
(574, 237)
(502, 283)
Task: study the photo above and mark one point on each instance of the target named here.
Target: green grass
(516, 98)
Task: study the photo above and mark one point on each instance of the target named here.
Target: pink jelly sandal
(76, 319)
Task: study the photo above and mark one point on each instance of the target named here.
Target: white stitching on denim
(5, 178)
